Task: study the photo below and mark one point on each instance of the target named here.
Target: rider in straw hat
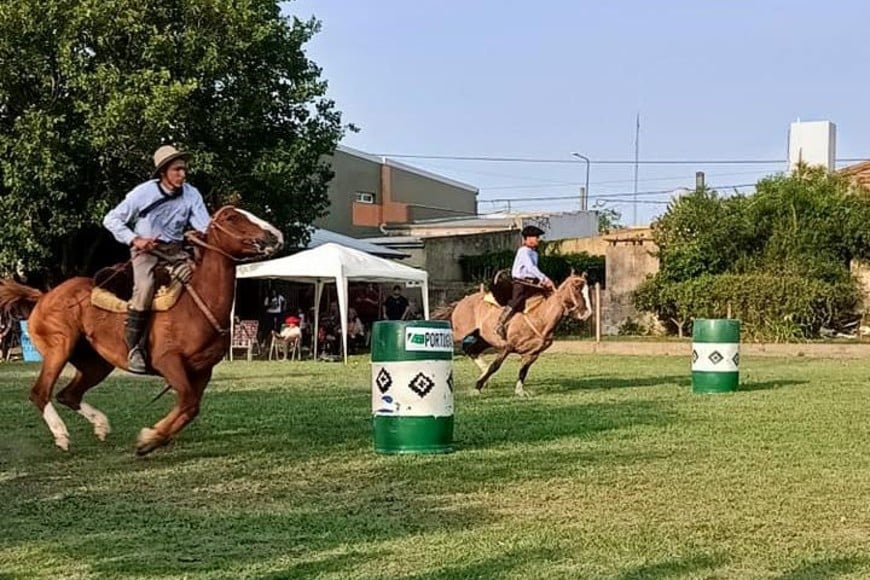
(152, 218)
(525, 273)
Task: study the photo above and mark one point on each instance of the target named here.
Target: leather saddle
(113, 288)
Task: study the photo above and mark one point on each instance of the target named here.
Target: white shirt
(526, 265)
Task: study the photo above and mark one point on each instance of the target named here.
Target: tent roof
(332, 260)
(320, 236)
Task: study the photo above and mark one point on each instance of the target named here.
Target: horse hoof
(475, 392)
(523, 394)
(62, 442)
(148, 441)
(102, 431)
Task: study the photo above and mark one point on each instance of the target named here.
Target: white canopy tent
(334, 263)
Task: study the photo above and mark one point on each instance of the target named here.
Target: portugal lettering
(428, 339)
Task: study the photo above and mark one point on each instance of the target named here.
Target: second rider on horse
(525, 276)
(152, 220)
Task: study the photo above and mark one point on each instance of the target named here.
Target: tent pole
(341, 291)
(318, 292)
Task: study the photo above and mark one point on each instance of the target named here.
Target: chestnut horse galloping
(528, 334)
(185, 342)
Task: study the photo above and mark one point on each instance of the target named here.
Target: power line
(607, 161)
(615, 181)
(603, 196)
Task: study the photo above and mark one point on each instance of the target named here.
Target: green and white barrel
(412, 386)
(715, 355)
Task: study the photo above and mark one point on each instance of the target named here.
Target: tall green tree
(609, 219)
(90, 88)
(702, 233)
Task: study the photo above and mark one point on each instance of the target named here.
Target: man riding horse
(526, 276)
(151, 220)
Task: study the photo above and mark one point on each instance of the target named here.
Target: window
(365, 197)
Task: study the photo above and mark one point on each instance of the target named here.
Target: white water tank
(813, 143)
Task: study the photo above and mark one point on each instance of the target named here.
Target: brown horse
(528, 334)
(185, 342)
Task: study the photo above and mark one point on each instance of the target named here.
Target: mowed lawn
(615, 469)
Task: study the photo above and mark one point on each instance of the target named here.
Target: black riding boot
(501, 328)
(137, 338)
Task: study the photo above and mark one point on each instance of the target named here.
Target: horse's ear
(572, 271)
(583, 275)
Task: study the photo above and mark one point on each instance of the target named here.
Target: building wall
(627, 264)
(566, 225)
(427, 198)
(402, 194)
(442, 254)
(595, 246)
(352, 174)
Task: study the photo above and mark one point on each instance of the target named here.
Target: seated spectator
(290, 330)
(356, 332)
(327, 340)
(7, 334)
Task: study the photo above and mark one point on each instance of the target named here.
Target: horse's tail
(18, 298)
(444, 312)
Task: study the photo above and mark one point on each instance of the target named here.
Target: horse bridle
(194, 239)
(575, 303)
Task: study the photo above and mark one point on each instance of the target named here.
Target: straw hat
(166, 155)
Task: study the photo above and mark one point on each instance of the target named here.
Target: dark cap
(532, 231)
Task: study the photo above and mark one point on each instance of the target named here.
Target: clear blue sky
(711, 81)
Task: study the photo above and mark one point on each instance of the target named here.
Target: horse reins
(194, 239)
(576, 304)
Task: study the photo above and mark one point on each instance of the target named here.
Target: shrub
(771, 306)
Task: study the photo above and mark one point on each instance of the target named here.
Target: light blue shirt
(165, 222)
(526, 265)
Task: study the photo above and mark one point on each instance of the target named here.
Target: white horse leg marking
(57, 426)
(147, 436)
(97, 419)
(481, 364)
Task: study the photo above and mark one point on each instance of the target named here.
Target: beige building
(630, 256)
(370, 192)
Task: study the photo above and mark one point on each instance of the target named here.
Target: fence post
(598, 312)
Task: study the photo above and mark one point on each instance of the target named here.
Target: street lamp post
(585, 198)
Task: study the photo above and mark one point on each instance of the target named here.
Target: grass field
(614, 470)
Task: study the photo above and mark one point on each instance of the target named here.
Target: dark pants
(519, 293)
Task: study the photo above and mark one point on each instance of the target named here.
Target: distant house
(369, 191)
(556, 225)
(859, 173)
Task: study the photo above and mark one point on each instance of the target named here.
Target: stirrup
(136, 361)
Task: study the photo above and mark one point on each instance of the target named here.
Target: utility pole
(584, 192)
(636, 164)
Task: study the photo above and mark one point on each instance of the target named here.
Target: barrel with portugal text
(412, 386)
(715, 355)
